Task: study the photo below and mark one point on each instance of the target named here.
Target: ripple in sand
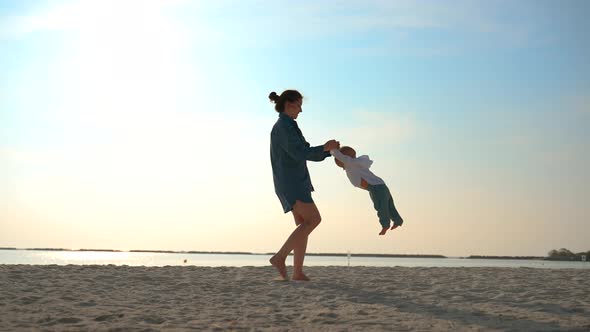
(153, 320)
(29, 299)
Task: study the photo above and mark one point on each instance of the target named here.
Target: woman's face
(292, 109)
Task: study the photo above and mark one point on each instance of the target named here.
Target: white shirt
(357, 169)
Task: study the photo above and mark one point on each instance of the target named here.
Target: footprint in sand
(68, 320)
(87, 304)
(154, 320)
(108, 318)
(29, 299)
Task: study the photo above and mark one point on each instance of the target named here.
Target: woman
(289, 153)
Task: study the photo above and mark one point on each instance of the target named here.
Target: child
(357, 170)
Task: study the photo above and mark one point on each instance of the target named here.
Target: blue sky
(146, 119)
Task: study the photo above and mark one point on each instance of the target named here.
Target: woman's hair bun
(274, 97)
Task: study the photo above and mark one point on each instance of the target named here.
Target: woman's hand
(331, 144)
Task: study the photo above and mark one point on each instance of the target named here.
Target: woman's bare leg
(310, 216)
(299, 249)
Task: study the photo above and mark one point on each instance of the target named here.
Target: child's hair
(347, 150)
(287, 95)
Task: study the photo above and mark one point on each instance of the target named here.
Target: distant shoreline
(309, 254)
(228, 252)
(507, 257)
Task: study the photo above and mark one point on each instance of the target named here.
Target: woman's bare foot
(383, 230)
(279, 264)
(300, 277)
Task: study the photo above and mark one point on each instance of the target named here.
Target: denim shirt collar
(292, 122)
(287, 118)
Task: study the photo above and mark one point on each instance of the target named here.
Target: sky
(146, 124)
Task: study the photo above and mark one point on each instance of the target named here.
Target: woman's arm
(316, 153)
(297, 148)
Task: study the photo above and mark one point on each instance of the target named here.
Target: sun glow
(125, 84)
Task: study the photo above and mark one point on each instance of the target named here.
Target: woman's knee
(315, 220)
(311, 222)
(298, 219)
(308, 212)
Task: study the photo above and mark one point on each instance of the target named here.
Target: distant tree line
(566, 255)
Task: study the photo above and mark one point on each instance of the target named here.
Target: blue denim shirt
(289, 153)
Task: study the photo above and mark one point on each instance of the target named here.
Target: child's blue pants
(383, 203)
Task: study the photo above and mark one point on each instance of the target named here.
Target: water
(43, 257)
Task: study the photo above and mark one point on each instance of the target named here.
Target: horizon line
(267, 253)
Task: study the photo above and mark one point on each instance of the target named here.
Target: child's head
(348, 151)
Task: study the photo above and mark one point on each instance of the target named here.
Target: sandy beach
(123, 298)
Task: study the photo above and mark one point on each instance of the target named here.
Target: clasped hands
(331, 144)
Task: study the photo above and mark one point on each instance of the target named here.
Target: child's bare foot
(394, 226)
(279, 264)
(300, 277)
(383, 230)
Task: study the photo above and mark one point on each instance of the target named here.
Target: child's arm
(342, 157)
(362, 161)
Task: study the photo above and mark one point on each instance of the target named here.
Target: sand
(123, 298)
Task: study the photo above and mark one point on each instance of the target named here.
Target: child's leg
(381, 205)
(394, 215)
